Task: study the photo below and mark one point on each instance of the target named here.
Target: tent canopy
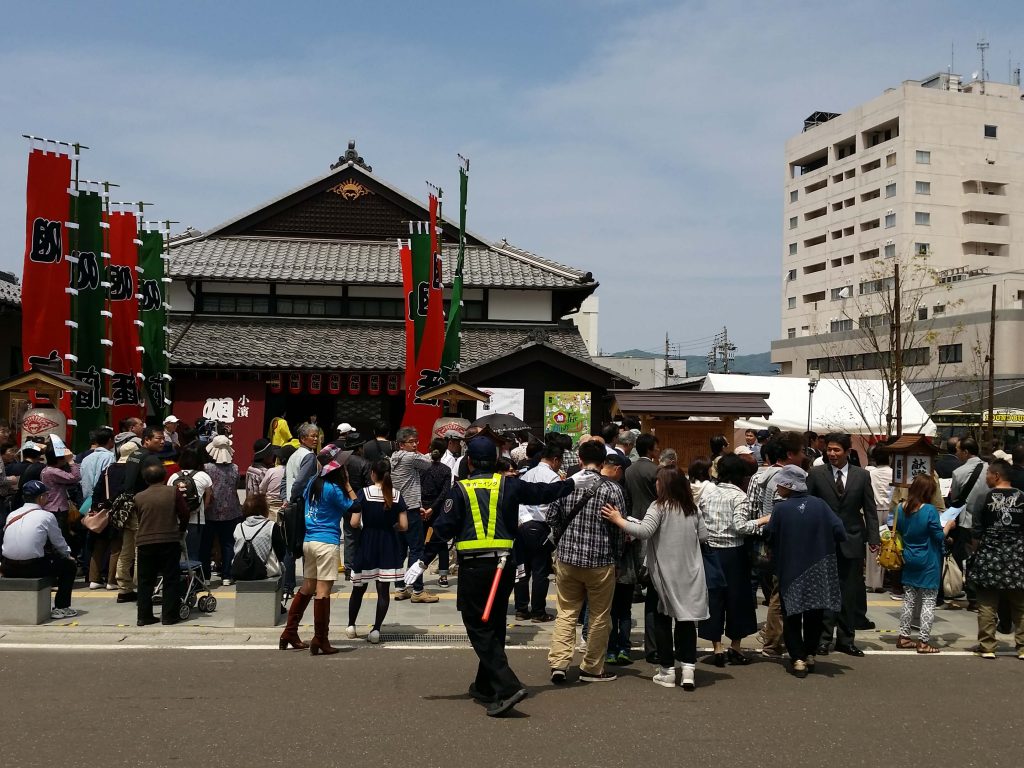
(856, 406)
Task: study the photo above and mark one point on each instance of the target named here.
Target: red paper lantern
(394, 382)
(334, 384)
(274, 381)
(315, 383)
(373, 383)
(355, 383)
(295, 383)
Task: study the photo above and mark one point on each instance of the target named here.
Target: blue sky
(642, 141)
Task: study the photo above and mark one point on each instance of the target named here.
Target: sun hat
(261, 448)
(331, 458)
(792, 477)
(220, 450)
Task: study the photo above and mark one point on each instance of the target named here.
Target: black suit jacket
(856, 507)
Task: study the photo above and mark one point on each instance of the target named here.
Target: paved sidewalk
(103, 621)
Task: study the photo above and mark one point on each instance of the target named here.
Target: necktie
(840, 488)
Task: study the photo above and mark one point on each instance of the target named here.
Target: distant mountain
(697, 365)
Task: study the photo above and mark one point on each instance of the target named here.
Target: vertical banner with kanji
(153, 312)
(126, 353)
(90, 274)
(453, 331)
(422, 342)
(45, 283)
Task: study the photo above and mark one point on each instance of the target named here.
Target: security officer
(482, 513)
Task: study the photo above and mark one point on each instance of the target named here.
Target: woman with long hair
(381, 515)
(918, 523)
(678, 595)
(328, 497)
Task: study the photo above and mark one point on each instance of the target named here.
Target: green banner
(153, 313)
(422, 268)
(453, 333)
(90, 411)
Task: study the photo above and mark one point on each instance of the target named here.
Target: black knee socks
(355, 602)
(383, 602)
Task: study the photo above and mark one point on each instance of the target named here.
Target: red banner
(126, 354)
(46, 279)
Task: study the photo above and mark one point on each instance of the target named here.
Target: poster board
(567, 412)
(503, 400)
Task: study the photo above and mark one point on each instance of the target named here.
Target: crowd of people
(611, 522)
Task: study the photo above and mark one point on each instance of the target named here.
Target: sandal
(906, 644)
(926, 648)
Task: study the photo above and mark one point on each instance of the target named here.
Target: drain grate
(408, 637)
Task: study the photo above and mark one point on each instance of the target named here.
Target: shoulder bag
(97, 520)
(890, 553)
(556, 534)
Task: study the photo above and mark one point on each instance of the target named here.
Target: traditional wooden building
(296, 308)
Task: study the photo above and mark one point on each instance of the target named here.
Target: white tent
(855, 406)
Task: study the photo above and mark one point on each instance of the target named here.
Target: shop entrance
(361, 411)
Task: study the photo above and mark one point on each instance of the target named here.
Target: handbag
(74, 514)
(890, 553)
(759, 554)
(121, 510)
(952, 578)
(97, 520)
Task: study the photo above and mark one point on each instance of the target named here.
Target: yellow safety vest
(483, 534)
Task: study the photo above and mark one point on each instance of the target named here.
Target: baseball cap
(743, 450)
(344, 428)
(616, 459)
(33, 489)
(453, 434)
(763, 434)
(172, 419)
(482, 449)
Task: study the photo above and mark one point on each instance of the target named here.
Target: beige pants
(572, 586)
(988, 617)
(125, 561)
(773, 623)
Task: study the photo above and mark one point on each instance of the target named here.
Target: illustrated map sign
(567, 412)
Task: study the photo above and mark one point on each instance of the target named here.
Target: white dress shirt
(25, 538)
(530, 513)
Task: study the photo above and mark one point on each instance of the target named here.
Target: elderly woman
(328, 497)
(678, 595)
(803, 532)
(407, 464)
(726, 514)
(225, 511)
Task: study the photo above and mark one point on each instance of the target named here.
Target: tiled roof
(354, 262)
(10, 292)
(247, 342)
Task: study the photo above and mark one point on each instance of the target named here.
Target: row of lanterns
(316, 383)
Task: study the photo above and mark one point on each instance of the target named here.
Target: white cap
(59, 449)
(172, 419)
(344, 428)
(743, 450)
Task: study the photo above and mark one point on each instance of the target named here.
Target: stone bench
(258, 603)
(25, 601)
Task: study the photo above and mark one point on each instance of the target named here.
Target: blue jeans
(224, 530)
(193, 537)
(622, 619)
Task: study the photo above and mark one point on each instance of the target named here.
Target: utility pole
(992, 371)
(666, 358)
(898, 351)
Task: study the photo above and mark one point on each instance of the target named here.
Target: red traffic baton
(494, 588)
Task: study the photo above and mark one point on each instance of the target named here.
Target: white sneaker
(95, 585)
(350, 632)
(665, 677)
(227, 582)
(687, 682)
(63, 613)
(111, 587)
(373, 637)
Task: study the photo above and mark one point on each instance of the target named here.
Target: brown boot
(290, 636)
(321, 623)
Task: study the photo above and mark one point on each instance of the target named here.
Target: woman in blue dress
(919, 526)
(380, 515)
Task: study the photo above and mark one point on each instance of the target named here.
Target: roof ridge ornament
(351, 156)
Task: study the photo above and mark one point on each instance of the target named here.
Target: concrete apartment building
(930, 175)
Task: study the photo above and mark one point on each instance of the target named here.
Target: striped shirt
(406, 467)
(726, 514)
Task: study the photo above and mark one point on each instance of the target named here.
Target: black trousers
(494, 677)
(154, 561)
(802, 632)
(854, 595)
(63, 569)
(535, 556)
(674, 640)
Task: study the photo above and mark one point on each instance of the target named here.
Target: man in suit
(847, 489)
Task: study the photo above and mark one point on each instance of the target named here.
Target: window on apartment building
(923, 218)
(951, 353)
(917, 356)
(791, 302)
(791, 275)
(843, 292)
(838, 326)
(922, 249)
(874, 321)
(939, 309)
(923, 157)
(876, 286)
(922, 188)
(793, 221)
(791, 333)
(890, 189)
(794, 195)
(922, 313)
(792, 249)
(990, 131)
(890, 160)
(890, 220)
(890, 251)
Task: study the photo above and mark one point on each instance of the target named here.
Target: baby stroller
(192, 583)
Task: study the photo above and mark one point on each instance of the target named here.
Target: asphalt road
(380, 706)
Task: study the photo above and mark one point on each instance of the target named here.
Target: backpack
(187, 486)
(246, 565)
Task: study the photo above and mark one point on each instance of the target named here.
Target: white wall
(586, 322)
(179, 298)
(519, 305)
(648, 372)
(255, 289)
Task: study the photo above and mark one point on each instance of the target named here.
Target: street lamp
(813, 376)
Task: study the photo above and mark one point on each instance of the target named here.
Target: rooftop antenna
(982, 47)
(1015, 79)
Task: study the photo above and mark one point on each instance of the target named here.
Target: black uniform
(494, 677)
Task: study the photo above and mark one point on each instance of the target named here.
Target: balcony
(982, 234)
